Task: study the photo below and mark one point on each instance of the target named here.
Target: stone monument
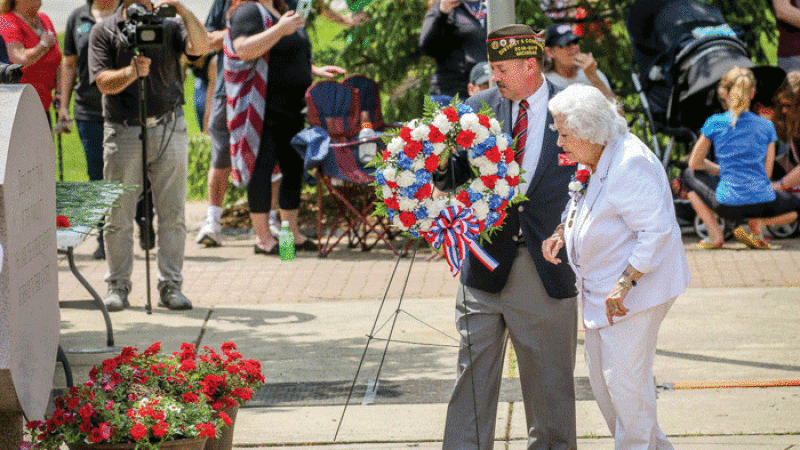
(29, 316)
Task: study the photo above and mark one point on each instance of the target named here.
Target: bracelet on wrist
(626, 283)
(628, 277)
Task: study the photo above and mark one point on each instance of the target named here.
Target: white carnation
(424, 224)
(390, 174)
(481, 135)
(488, 169)
(438, 148)
(396, 222)
(575, 186)
(408, 204)
(387, 192)
(470, 122)
(419, 162)
(413, 123)
(513, 169)
(480, 161)
(406, 178)
(481, 208)
(420, 133)
(442, 123)
(396, 146)
(477, 185)
(494, 126)
(502, 188)
(435, 206)
(502, 143)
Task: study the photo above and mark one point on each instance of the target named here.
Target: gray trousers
(167, 161)
(543, 331)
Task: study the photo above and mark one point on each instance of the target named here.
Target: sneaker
(142, 241)
(274, 226)
(116, 297)
(172, 297)
(748, 240)
(209, 234)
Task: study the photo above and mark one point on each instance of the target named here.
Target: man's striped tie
(520, 131)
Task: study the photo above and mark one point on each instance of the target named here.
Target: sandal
(259, 250)
(705, 245)
(748, 240)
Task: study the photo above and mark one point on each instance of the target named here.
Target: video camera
(10, 73)
(143, 29)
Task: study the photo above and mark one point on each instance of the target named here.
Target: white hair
(588, 114)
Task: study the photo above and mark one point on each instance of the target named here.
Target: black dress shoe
(307, 245)
(275, 250)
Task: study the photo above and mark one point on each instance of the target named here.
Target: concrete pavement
(307, 322)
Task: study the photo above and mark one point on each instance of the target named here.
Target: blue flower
(409, 191)
(502, 168)
(404, 162)
(474, 196)
(495, 201)
(491, 218)
(423, 176)
(414, 233)
(390, 214)
(427, 148)
(512, 193)
(421, 213)
(463, 108)
(379, 177)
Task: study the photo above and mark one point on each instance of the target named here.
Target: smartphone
(303, 6)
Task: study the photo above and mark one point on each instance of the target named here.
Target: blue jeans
(200, 88)
(91, 134)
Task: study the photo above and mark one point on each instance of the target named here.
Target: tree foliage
(385, 48)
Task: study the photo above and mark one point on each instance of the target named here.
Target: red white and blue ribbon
(457, 229)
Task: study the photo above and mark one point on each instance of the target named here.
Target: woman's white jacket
(626, 216)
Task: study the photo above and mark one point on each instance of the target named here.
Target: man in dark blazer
(524, 298)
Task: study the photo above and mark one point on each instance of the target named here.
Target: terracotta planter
(179, 444)
(225, 440)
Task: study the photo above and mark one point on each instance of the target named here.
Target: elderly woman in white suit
(624, 244)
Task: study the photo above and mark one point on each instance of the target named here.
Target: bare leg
(217, 185)
(291, 216)
(715, 234)
(261, 226)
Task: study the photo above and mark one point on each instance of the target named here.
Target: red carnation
(96, 435)
(405, 133)
(512, 181)
(431, 163)
(242, 393)
(509, 154)
(489, 180)
(423, 192)
(494, 155)
(189, 365)
(582, 175)
(484, 120)
(392, 184)
(412, 149)
(105, 430)
(435, 136)
(463, 197)
(503, 205)
(138, 431)
(87, 411)
(62, 222)
(232, 369)
(408, 218)
(465, 138)
(160, 429)
(153, 349)
(225, 418)
(228, 347)
(207, 430)
(190, 397)
(451, 113)
(392, 202)
(386, 155)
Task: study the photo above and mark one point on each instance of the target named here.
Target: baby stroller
(681, 49)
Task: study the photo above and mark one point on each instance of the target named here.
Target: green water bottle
(286, 242)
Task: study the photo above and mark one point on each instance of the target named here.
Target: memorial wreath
(404, 179)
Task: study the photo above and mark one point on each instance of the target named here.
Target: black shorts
(784, 202)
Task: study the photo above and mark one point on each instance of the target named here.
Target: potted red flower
(150, 401)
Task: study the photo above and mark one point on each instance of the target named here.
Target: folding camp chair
(336, 108)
